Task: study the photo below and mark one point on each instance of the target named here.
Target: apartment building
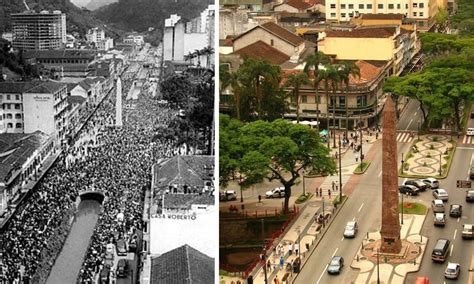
(422, 12)
(44, 30)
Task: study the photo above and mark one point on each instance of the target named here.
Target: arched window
(10, 125)
(19, 125)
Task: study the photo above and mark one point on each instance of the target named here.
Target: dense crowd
(117, 161)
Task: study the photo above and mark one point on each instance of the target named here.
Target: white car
(441, 194)
(432, 182)
(351, 229)
(276, 192)
(439, 219)
(468, 231)
(452, 270)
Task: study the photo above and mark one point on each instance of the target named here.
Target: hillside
(140, 15)
(78, 20)
(96, 4)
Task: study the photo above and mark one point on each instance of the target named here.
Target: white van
(470, 131)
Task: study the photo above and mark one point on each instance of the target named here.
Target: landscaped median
(303, 198)
(361, 168)
(412, 208)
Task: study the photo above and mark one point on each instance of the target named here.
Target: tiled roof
(185, 201)
(262, 51)
(316, 2)
(61, 53)
(382, 16)
(368, 72)
(184, 265)
(282, 33)
(75, 100)
(378, 32)
(298, 4)
(184, 170)
(42, 87)
(46, 87)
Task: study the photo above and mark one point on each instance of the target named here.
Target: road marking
(334, 253)
(464, 140)
(325, 268)
(353, 219)
(360, 208)
(464, 148)
(380, 173)
(459, 219)
(342, 239)
(455, 231)
(451, 252)
(411, 120)
(415, 113)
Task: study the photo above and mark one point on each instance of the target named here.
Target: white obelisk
(118, 104)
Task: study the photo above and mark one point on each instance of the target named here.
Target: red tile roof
(262, 51)
(316, 2)
(298, 4)
(378, 32)
(282, 33)
(382, 16)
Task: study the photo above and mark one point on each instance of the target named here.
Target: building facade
(44, 30)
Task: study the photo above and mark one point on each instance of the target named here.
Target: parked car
(276, 192)
(336, 264)
(439, 219)
(441, 194)
(471, 173)
(470, 196)
(432, 182)
(351, 229)
(418, 183)
(227, 195)
(437, 206)
(122, 268)
(408, 189)
(455, 210)
(452, 270)
(121, 247)
(422, 280)
(468, 231)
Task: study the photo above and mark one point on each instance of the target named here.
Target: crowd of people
(116, 161)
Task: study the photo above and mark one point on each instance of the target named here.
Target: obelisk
(390, 230)
(118, 104)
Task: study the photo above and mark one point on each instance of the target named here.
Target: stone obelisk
(118, 104)
(390, 230)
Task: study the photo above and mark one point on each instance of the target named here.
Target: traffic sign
(463, 184)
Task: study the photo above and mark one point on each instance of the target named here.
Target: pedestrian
(357, 158)
(333, 185)
(259, 198)
(282, 262)
(269, 266)
(337, 187)
(296, 248)
(329, 193)
(320, 192)
(290, 249)
(317, 192)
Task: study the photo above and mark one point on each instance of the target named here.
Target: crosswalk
(467, 140)
(404, 137)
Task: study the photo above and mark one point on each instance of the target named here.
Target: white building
(97, 36)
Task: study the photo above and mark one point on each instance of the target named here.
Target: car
(441, 194)
(437, 206)
(468, 231)
(276, 192)
(122, 268)
(227, 195)
(422, 280)
(472, 114)
(470, 196)
(336, 264)
(351, 229)
(439, 219)
(121, 247)
(432, 182)
(418, 183)
(452, 270)
(471, 173)
(408, 189)
(455, 210)
(470, 131)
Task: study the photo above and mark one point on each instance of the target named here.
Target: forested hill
(139, 15)
(78, 20)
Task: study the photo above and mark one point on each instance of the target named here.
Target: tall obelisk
(390, 230)
(118, 104)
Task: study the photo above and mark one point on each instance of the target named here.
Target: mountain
(96, 4)
(78, 20)
(139, 15)
(81, 3)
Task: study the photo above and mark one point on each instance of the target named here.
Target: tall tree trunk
(327, 115)
(286, 206)
(334, 118)
(347, 110)
(457, 117)
(317, 108)
(297, 105)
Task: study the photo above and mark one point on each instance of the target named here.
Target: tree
(207, 51)
(231, 79)
(348, 70)
(271, 150)
(176, 89)
(331, 78)
(295, 81)
(312, 63)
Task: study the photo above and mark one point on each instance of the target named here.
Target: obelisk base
(391, 245)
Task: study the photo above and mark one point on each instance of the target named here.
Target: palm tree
(312, 63)
(232, 79)
(198, 55)
(348, 69)
(207, 51)
(330, 75)
(295, 81)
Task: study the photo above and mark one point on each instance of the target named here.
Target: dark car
(122, 268)
(471, 173)
(418, 183)
(455, 210)
(408, 189)
(121, 247)
(470, 196)
(336, 264)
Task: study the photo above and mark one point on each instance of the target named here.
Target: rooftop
(382, 16)
(366, 32)
(262, 51)
(37, 87)
(278, 31)
(182, 265)
(60, 53)
(298, 4)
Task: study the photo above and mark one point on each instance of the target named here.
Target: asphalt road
(410, 117)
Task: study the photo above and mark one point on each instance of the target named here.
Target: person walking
(329, 193)
(320, 192)
(290, 249)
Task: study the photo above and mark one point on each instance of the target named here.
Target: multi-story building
(253, 5)
(34, 106)
(97, 36)
(233, 22)
(135, 38)
(44, 30)
(423, 12)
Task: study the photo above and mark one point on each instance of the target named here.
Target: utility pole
(304, 191)
(361, 153)
(340, 171)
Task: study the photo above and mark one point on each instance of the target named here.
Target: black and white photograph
(107, 141)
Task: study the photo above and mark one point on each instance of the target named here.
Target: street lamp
(340, 171)
(304, 191)
(241, 193)
(440, 157)
(361, 139)
(322, 198)
(264, 252)
(299, 242)
(402, 163)
(378, 270)
(402, 208)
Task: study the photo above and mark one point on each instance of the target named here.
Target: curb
(364, 170)
(320, 238)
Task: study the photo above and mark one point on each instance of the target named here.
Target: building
(274, 36)
(383, 43)
(422, 12)
(101, 42)
(33, 106)
(135, 38)
(293, 6)
(233, 21)
(44, 30)
(252, 5)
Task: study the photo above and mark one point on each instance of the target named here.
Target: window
(406, 6)
(369, 6)
(8, 97)
(415, 5)
(271, 42)
(10, 125)
(398, 6)
(319, 99)
(343, 6)
(342, 101)
(351, 6)
(17, 97)
(390, 6)
(9, 106)
(9, 116)
(414, 14)
(17, 106)
(304, 99)
(421, 14)
(333, 6)
(361, 6)
(343, 15)
(18, 116)
(333, 15)
(332, 101)
(18, 125)
(361, 101)
(422, 5)
(351, 14)
(380, 6)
